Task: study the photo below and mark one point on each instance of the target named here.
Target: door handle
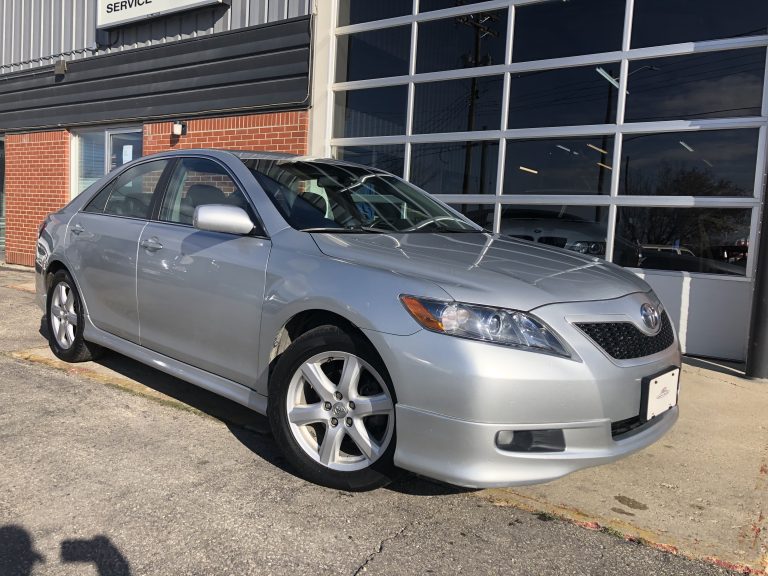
(77, 229)
(151, 244)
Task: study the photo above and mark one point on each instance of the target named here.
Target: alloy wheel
(63, 315)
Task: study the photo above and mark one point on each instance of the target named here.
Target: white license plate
(662, 393)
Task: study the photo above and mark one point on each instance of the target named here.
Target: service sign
(117, 12)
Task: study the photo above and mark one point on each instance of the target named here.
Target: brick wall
(37, 164)
(277, 132)
(36, 183)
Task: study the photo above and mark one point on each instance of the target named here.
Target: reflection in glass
(458, 105)
(455, 168)
(559, 166)
(708, 163)
(480, 214)
(462, 41)
(555, 28)
(708, 240)
(356, 11)
(579, 228)
(370, 112)
(657, 22)
(388, 49)
(710, 85)
(429, 5)
(389, 158)
(564, 97)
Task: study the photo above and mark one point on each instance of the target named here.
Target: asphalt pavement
(115, 469)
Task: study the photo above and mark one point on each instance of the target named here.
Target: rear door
(102, 243)
(200, 292)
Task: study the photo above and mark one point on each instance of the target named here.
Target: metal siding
(265, 67)
(45, 30)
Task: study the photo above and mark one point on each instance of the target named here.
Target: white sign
(117, 12)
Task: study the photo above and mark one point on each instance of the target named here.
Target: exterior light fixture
(179, 128)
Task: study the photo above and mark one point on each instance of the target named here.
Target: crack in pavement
(380, 548)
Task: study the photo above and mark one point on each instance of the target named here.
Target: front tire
(332, 410)
(65, 321)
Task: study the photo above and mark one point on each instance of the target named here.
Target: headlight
(497, 325)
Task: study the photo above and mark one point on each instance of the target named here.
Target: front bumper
(464, 453)
(454, 395)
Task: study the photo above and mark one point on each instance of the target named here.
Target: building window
(96, 152)
(623, 143)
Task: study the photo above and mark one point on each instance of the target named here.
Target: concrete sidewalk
(702, 491)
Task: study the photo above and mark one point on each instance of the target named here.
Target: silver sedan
(377, 328)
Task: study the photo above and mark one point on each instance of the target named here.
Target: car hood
(485, 268)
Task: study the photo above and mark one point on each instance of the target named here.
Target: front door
(200, 292)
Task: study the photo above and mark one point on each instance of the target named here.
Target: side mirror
(223, 218)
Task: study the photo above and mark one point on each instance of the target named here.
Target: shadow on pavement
(248, 427)
(18, 555)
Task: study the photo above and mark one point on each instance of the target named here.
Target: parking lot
(153, 476)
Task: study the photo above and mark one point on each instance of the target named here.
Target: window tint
(390, 158)
(707, 240)
(196, 182)
(388, 49)
(658, 22)
(428, 5)
(462, 41)
(130, 194)
(564, 97)
(559, 166)
(458, 105)
(356, 11)
(699, 163)
(370, 112)
(556, 29)
(455, 168)
(711, 85)
(582, 229)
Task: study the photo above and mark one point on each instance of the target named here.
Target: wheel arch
(306, 320)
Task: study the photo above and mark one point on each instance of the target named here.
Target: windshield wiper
(349, 230)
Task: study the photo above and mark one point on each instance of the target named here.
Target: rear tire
(332, 410)
(65, 321)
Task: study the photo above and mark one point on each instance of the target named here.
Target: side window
(130, 195)
(195, 182)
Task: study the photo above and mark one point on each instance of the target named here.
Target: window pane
(131, 194)
(458, 105)
(711, 85)
(370, 112)
(389, 158)
(91, 159)
(657, 22)
(555, 29)
(356, 11)
(711, 163)
(579, 228)
(559, 166)
(124, 147)
(480, 214)
(388, 48)
(709, 240)
(462, 41)
(197, 182)
(429, 5)
(455, 168)
(564, 97)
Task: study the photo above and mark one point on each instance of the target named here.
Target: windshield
(324, 197)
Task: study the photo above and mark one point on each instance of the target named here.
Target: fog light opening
(551, 440)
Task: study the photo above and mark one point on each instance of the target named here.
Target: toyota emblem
(650, 316)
